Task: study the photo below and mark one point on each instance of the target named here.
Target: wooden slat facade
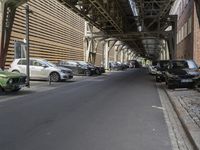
(55, 32)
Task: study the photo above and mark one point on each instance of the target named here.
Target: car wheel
(98, 72)
(1, 90)
(88, 73)
(55, 77)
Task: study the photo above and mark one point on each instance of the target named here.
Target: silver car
(41, 69)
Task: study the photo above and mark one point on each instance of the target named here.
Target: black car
(134, 64)
(161, 67)
(76, 67)
(91, 67)
(102, 69)
(116, 66)
(181, 74)
(98, 70)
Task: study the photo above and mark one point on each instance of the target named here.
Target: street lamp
(27, 45)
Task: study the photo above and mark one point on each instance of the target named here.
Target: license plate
(186, 80)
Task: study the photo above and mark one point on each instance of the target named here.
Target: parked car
(89, 66)
(102, 69)
(161, 67)
(41, 69)
(181, 73)
(116, 66)
(152, 68)
(97, 69)
(76, 67)
(11, 81)
(122, 66)
(134, 64)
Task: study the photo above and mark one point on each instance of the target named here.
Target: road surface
(119, 111)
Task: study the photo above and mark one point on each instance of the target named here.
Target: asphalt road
(112, 112)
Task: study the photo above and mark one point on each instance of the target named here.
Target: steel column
(7, 14)
(108, 46)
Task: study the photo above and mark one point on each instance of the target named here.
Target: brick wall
(185, 47)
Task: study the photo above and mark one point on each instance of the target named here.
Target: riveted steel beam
(115, 20)
(106, 15)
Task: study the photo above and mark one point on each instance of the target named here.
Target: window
(179, 64)
(70, 63)
(22, 62)
(186, 30)
(192, 65)
(177, 38)
(19, 49)
(35, 63)
(190, 25)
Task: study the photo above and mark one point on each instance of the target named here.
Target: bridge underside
(141, 24)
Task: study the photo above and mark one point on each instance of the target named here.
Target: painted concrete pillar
(106, 55)
(122, 56)
(108, 46)
(116, 53)
(167, 50)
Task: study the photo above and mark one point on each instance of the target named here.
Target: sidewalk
(187, 106)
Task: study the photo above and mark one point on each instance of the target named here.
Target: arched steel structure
(141, 24)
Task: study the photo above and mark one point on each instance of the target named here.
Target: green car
(11, 81)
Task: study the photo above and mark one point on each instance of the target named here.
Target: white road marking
(161, 108)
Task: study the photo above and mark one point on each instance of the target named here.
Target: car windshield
(179, 64)
(49, 63)
(163, 64)
(192, 65)
(82, 63)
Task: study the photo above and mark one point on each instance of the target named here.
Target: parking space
(41, 86)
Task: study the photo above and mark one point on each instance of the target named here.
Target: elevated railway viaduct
(128, 28)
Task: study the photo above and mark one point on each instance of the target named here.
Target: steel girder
(8, 8)
(107, 15)
(114, 19)
(154, 18)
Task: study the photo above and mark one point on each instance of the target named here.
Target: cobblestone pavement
(190, 101)
(187, 105)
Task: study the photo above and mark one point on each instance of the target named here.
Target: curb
(191, 129)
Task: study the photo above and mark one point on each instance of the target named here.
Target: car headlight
(63, 71)
(10, 81)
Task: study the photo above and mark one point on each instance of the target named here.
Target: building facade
(188, 30)
(56, 33)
